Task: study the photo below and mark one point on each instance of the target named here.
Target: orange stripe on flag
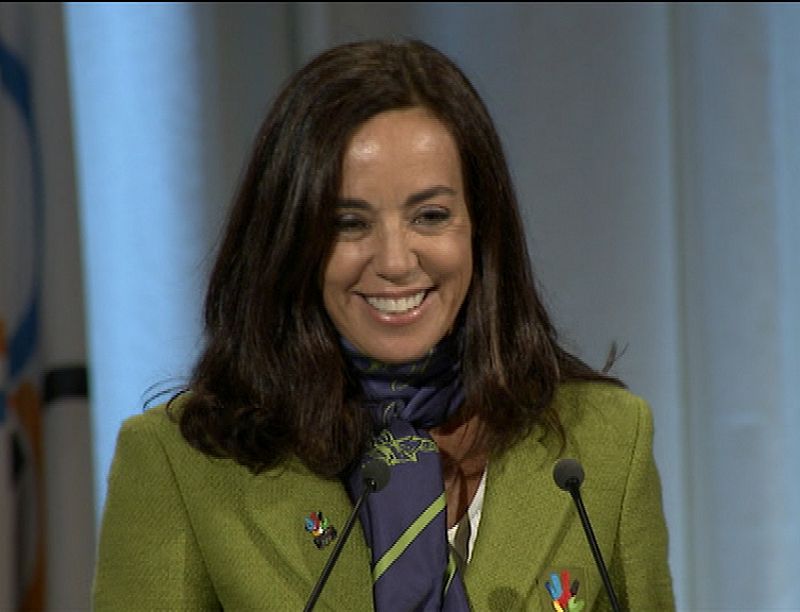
(26, 402)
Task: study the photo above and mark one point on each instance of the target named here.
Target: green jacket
(184, 531)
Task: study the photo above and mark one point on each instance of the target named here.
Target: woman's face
(401, 263)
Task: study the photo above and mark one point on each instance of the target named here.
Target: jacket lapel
(278, 502)
(522, 524)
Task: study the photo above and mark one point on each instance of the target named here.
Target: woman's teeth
(396, 305)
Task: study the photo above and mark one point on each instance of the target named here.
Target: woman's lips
(396, 305)
(397, 310)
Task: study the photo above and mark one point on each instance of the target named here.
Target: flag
(21, 415)
(47, 520)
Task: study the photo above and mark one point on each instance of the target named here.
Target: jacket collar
(520, 530)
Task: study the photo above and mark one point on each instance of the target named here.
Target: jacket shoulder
(160, 421)
(603, 413)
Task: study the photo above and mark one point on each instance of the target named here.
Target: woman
(372, 300)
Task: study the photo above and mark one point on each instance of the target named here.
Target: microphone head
(568, 474)
(375, 474)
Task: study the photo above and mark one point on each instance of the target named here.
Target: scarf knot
(425, 393)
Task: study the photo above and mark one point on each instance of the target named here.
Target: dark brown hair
(272, 381)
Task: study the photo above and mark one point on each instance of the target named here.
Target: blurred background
(656, 152)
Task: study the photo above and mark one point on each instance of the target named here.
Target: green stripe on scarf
(408, 536)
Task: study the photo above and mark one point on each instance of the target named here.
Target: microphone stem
(323, 578)
(598, 557)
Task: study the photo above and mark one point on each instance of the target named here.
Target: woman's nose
(394, 257)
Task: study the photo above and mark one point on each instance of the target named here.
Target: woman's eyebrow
(353, 203)
(430, 192)
(413, 199)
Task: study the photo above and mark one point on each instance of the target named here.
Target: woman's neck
(463, 461)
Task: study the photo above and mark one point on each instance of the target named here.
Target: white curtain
(737, 92)
(655, 151)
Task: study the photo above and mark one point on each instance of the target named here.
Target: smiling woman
(372, 300)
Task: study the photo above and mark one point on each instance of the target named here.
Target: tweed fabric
(183, 531)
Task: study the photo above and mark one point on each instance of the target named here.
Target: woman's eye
(350, 223)
(432, 216)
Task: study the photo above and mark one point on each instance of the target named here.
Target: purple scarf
(405, 524)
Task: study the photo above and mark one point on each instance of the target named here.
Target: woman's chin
(396, 351)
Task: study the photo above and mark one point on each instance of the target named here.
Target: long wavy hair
(271, 381)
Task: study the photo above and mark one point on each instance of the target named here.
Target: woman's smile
(398, 311)
(396, 305)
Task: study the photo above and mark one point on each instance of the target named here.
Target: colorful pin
(564, 593)
(319, 527)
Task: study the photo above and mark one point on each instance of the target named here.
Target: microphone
(568, 474)
(375, 476)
